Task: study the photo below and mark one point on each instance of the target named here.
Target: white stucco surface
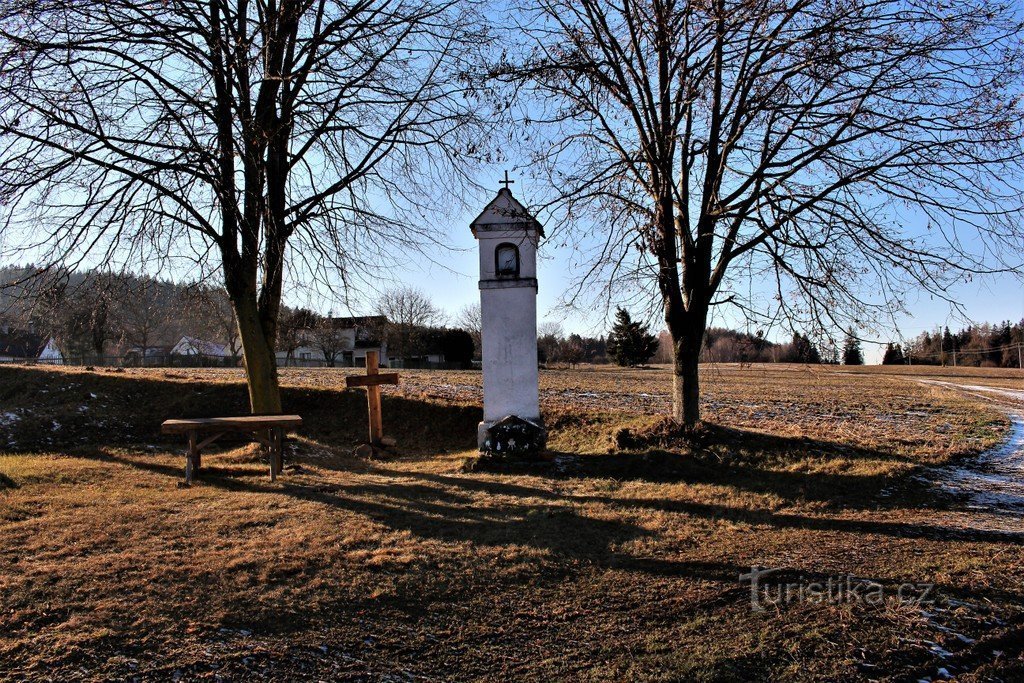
(508, 311)
(509, 342)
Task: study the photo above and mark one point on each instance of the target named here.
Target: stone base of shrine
(513, 437)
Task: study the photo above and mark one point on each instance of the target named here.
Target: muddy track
(991, 484)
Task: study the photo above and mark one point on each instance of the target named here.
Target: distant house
(352, 336)
(50, 353)
(430, 354)
(190, 346)
(19, 346)
(302, 355)
(150, 355)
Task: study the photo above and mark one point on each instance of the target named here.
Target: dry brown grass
(619, 565)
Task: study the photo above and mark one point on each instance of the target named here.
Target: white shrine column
(508, 238)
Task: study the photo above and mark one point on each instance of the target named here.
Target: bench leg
(275, 452)
(279, 449)
(192, 462)
(279, 442)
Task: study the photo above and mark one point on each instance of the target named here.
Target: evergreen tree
(852, 353)
(630, 343)
(947, 346)
(803, 350)
(893, 355)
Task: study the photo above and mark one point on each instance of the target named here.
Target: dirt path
(991, 485)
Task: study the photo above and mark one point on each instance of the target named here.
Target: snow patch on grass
(994, 481)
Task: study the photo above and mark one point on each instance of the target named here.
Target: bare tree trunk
(687, 340)
(259, 357)
(685, 315)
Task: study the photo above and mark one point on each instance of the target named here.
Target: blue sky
(453, 285)
(450, 280)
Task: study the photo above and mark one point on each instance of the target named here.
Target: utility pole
(1019, 365)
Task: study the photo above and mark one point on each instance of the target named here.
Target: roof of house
(307, 320)
(358, 321)
(19, 344)
(201, 346)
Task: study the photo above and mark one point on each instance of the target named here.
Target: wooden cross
(506, 182)
(372, 380)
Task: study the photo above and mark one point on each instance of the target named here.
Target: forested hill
(92, 313)
(999, 345)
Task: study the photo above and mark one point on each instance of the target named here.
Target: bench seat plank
(242, 423)
(267, 429)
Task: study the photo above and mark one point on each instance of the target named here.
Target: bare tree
(143, 313)
(550, 337)
(550, 340)
(550, 328)
(469, 319)
(328, 337)
(832, 150)
(292, 330)
(664, 355)
(572, 351)
(408, 311)
(223, 131)
(209, 312)
(75, 309)
(97, 295)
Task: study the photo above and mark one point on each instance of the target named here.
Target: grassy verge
(623, 564)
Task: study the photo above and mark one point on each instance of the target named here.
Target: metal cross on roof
(506, 182)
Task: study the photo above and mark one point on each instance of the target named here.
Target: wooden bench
(267, 429)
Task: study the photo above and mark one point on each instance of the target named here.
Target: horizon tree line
(92, 312)
(998, 345)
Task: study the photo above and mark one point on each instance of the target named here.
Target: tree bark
(687, 340)
(259, 356)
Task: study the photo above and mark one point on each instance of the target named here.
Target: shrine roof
(505, 211)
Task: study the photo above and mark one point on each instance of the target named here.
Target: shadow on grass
(715, 511)
(448, 509)
(426, 510)
(755, 463)
(793, 468)
(416, 502)
(112, 408)
(837, 489)
(732, 458)
(213, 472)
(574, 540)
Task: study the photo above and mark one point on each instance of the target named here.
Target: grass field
(619, 560)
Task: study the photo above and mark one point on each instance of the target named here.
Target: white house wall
(315, 355)
(51, 353)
